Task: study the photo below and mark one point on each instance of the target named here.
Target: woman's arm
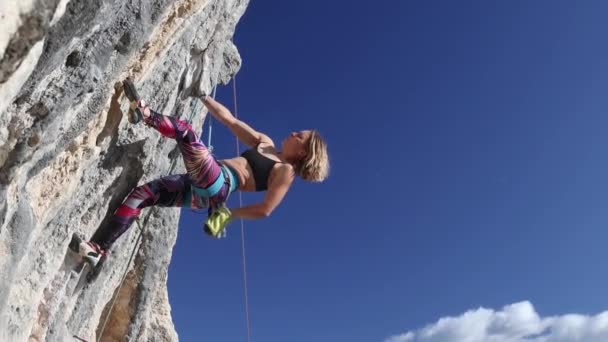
(277, 189)
(244, 132)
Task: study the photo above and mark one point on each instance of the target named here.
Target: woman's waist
(242, 171)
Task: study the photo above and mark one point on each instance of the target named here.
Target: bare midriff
(243, 172)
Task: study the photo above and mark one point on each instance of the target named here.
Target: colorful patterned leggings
(170, 191)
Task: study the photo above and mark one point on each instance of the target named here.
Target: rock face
(68, 155)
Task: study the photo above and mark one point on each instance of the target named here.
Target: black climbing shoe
(135, 115)
(137, 104)
(130, 91)
(91, 253)
(92, 275)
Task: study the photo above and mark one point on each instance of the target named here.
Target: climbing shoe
(137, 104)
(92, 275)
(91, 252)
(217, 222)
(130, 90)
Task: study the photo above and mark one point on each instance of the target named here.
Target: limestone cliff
(68, 154)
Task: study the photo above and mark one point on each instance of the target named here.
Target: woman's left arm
(277, 189)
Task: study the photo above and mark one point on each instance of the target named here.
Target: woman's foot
(130, 90)
(91, 252)
(138, 106)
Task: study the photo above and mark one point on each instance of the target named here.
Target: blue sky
(468, 154)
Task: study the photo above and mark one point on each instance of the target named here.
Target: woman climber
(208, 182)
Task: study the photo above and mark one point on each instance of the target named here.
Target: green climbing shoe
(217, 222)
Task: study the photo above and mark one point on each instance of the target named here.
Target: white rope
(236, 115)
(209, 146)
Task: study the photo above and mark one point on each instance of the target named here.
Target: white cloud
(515, 322)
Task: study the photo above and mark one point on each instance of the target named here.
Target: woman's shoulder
(284, 170)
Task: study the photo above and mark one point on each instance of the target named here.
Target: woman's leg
(168, 191)
(201, 166)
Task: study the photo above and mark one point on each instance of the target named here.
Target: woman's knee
(139, 196)
(185, 134)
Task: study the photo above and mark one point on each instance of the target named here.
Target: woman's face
(294, 145)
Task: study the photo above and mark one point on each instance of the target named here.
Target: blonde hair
(315, 166)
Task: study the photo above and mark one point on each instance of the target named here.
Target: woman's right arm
(244, 132)
(277, 189)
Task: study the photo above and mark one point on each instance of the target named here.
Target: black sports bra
(261, 167)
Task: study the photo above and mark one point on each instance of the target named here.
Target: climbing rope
(236, 115)
(209, 145)
(122, 281)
